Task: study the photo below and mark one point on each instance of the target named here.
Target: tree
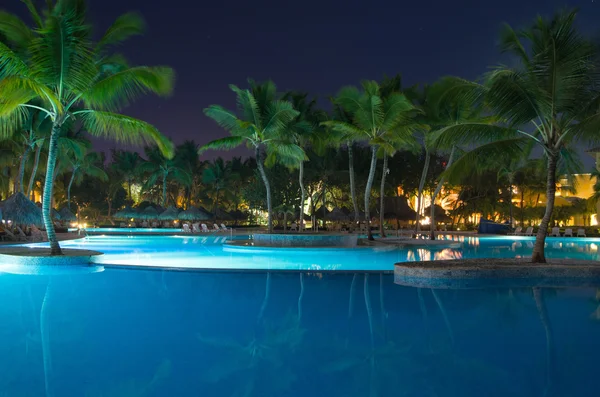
(88, 165)
(372, 116)
(125, 164)
(261, 124)
(216, 177)
(160, 168)
(73, 77)
(305, 131)
(554, 91)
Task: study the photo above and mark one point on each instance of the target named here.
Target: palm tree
(158, 167)
(73, 77)
(186, 155)
(216, 176)
(261, 124)
(125, 164)
(372, 117)
(554, 90)
(30, 136)
(305, 131)
(88, 165)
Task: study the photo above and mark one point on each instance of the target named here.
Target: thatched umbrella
(126, 212)
(20, 210)
(223, 215)
(149, 213)
(319, 212)
(55, 214)
(439, 212)
(170, 214)
(194, 214)
(238, 215)
(66, 215)
(337, 215)
(397, 208)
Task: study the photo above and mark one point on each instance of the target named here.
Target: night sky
(313, 46)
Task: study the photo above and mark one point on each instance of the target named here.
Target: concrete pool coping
(497, 272)
(40, 256)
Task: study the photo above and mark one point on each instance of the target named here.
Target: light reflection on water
(208, 252)
(164, 333)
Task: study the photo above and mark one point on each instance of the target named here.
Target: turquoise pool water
(208, 252)
(156, 333)
(129, 230)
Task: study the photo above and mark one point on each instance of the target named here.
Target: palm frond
(226, 143)
(449, 136)
(124, 129)
(119, 89)
(15, 31)
(33, 12)
(225, 119)
(124, 27)
(10, 63)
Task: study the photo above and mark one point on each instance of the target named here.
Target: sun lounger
(186, 228)
(518, 231)
(529, 231)
(294, 227)
(204, 228)
(195, 227)
(555, 232)
(581, 233)
(21, 234)
(144, 224)
(216, 228)
(155, 224)
(36, 233)
(9, 235)
(568, 233)
(224, 228)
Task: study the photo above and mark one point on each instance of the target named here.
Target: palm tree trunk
(522, 211)
(48, 186)
(352, 183)
(129, 188)
(510, 208)
(285, 221)
(323, 203)
(265, 302)
(540, 239)
(36, 163)
(19, 178)
(438, 300)
(437, 191)
(302, 194)
(69, 188)
(263, 174)
(351, 296)
(382, 196)
(368, 190)
(164, 191)
(421, 186)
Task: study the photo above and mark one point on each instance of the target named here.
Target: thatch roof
(194, 214)
(55, 214)
(22, 211)
(223, 215)
(126, 212)
(440, 213)
(66, 214)
(170, 214)
(337, 215)
(397, 208)
(238, 215)
(148, 213)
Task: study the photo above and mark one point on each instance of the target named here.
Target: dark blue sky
(314, 46)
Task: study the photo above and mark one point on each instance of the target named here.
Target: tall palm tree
(158, 167)
(125, 164)
(261, 124)
(73, 77)
(216, 177)
(551, 97)
(186, 155)
(88, 165)
(372, 117)
(305, 131)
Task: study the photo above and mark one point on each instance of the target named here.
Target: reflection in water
(287, 334)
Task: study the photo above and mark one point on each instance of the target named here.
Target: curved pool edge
(497, 272)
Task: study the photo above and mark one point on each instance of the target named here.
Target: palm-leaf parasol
(66, 215)
(126, 212)
(337, 215)
(194, 214)
(223, 215)
(397, 208)
(170, 214)
(439, 212)
(149, 213)
(21, 210)
(55, 214)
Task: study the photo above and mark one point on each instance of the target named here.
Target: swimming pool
(154, 333)
(129, 230)
(208, 252)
